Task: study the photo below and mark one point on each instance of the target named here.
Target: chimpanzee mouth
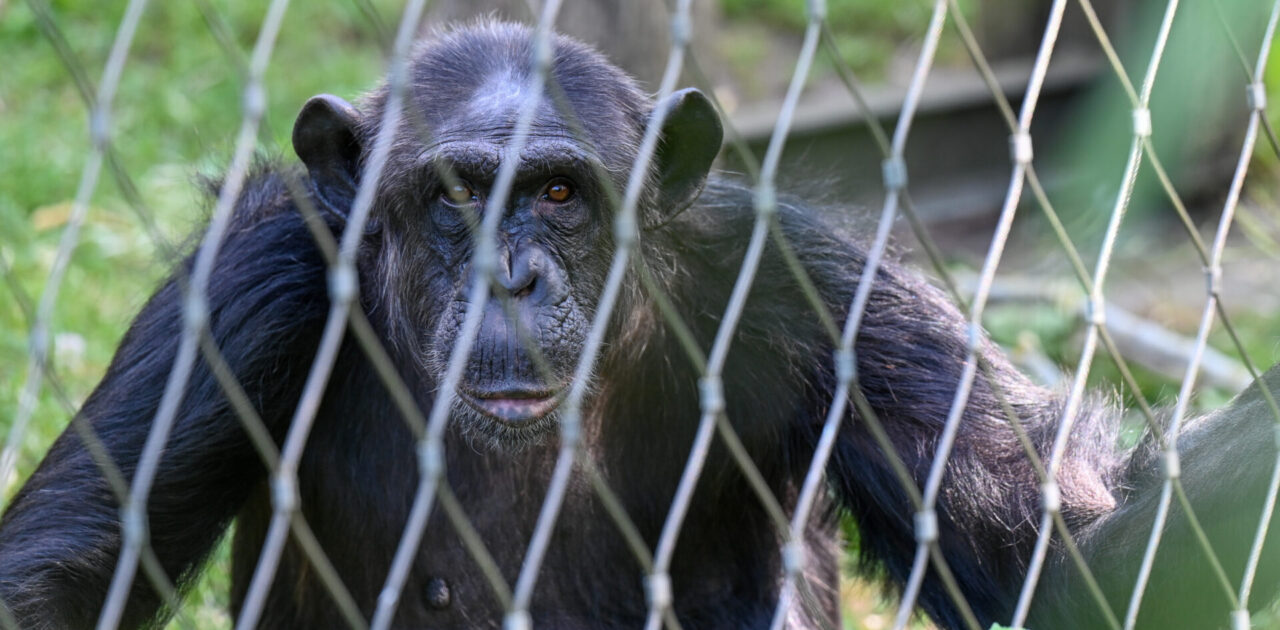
(514, 407)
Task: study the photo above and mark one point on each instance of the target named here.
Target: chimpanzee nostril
(519, 282)
(518, 276)
(527, 272)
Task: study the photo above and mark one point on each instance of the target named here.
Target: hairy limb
(1227, 460)
(61, 536)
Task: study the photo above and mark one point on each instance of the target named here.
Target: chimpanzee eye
(558, 190)
(459, 193)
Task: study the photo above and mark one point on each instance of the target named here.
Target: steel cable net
(575, 465)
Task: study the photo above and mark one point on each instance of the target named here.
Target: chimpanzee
(61, 536)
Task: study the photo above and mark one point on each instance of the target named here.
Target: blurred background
(178, 110)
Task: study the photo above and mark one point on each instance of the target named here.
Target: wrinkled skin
(554, 238)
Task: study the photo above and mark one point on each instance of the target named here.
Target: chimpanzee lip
(516, 406)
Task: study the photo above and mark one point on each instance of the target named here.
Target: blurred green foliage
(867, 33)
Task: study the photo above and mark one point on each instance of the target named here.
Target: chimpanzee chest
(477, 539)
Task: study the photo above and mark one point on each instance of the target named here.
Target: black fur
(60, 538)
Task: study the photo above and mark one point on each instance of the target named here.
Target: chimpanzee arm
(910, 355)
(61, 536)
(1227, 460)
(911, 352)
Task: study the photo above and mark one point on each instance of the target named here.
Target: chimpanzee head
(555, 239)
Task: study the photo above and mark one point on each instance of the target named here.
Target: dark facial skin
(553, 242)
(550, 241)
(538, 312)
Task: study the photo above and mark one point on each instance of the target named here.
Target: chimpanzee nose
(527, 273)
(518, 277)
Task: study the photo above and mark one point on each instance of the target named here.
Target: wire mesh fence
(279, 438)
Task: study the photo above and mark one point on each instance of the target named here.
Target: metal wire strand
(626, 233)
(100, 132)
(431, 447)
(712, 392)
(343, 290)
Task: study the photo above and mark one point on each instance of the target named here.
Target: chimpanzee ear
(691, 137)
(324, 136)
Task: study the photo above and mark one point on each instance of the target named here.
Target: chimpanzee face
(553, 244)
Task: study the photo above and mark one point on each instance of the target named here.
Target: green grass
(176, 117)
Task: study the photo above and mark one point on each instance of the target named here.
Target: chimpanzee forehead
(475, 82)
(502, 95)
(491, 110)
